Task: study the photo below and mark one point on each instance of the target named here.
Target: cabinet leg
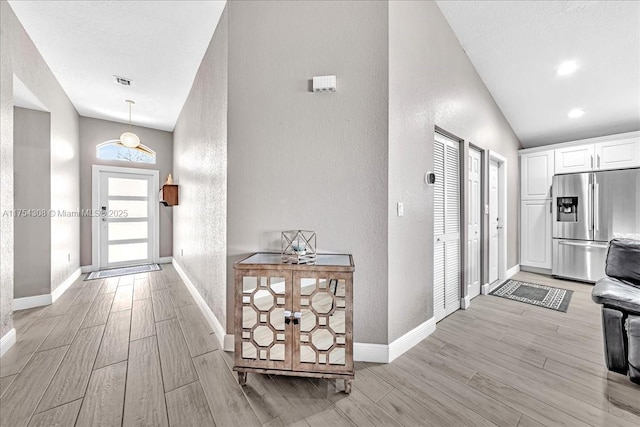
(242, 378)
(347, 386)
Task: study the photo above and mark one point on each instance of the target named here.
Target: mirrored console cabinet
(294, 319)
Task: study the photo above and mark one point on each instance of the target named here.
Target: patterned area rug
(122, 271)
(531, 293)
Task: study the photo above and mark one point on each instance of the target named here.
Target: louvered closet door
(446, 227)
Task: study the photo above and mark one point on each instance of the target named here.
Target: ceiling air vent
(123, 81)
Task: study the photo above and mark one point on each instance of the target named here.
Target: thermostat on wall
(324, 84)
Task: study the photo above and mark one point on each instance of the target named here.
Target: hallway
(135, 350)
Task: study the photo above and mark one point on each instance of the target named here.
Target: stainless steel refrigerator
(590, 209)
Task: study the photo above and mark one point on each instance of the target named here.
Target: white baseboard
(365, 352)
(537, 270)
(46, 299)
(495, 285)
(165, 260)
(57, 293)
(465, 302)
(484, 290)
(512, 271)
(411, 338)
(86, 269)
(31, 302)
(7, 341)
(383, 353)
(225, 340)
(487, 288)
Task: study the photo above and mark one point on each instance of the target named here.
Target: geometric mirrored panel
(263, 323)
(322, 339)
(322, 327)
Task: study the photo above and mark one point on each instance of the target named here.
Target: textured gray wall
(19, 56)
(299, 160)
(200, 168)
(96, 131)
(32, 189)
(431, 82)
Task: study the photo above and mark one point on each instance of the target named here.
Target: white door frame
(502, 209)
(95, 205)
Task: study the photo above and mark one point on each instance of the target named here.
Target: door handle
(598, 161)
(596, 207)
(592, 161)
(287, 317)
(551, 207)
(590, 211)
(296, 317)
(587, 245)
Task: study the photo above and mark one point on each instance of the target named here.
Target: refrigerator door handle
(592, 161)
(596, 207)
(590, 204)
(591, 245)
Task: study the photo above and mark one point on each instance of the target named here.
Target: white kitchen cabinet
(579, 158)
(535, 233)
(536, 175)
(620, 154)
(615, 154)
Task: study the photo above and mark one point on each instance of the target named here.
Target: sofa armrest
(614, 293)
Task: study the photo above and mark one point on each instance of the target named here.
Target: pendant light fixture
(129, 139)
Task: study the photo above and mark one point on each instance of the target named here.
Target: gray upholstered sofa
(619, 294)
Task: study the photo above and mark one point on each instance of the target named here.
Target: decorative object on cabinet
(169, 180)
(294, 319)
(169, 196)
(298, 247)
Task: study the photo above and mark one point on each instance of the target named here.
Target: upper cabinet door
(579, 158)
(620, 154)
(536, 174)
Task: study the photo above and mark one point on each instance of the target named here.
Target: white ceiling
(516, 47)
(157, 44)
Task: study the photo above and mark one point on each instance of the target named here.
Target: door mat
(531, 293)
(114, 272)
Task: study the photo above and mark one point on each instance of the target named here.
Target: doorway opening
(497, 223)
(125, 229)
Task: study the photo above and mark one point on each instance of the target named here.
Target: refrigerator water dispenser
(567, 209)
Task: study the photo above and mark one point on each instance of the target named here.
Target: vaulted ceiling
(157, 44)
(515, 46)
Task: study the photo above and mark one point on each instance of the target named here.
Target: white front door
(127, 218)
(494, 221)
(446, 227)
(474, 225)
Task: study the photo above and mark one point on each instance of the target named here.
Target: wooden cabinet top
(273, 260)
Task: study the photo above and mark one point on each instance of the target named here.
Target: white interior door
(127, 219)
(494, 221)
(446, 227)
(474, 225)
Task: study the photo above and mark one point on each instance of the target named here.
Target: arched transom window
(114, 150)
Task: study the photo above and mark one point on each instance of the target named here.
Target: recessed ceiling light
(567, 67)
(574, 114)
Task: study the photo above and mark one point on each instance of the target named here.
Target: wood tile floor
(135, 350)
